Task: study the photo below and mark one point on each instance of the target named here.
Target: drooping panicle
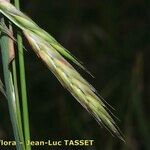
(73, 82)
(51, 53)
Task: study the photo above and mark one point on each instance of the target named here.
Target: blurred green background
(112, 39)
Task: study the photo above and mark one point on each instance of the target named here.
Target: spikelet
(50, 52)
(72, 81)
(24, 22)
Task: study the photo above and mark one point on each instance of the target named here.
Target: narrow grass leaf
(10, 93)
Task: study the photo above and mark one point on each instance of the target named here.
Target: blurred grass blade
(2, 88)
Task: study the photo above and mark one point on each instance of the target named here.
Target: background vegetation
(112, 39)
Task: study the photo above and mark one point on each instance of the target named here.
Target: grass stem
(10, 91)
(23, 86)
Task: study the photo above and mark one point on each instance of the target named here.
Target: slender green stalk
(14, 75)
(23, 86)
(17, 98)
(10, 92)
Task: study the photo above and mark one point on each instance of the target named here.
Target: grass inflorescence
(53, 55)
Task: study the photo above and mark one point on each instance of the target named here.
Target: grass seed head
(50, 52)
